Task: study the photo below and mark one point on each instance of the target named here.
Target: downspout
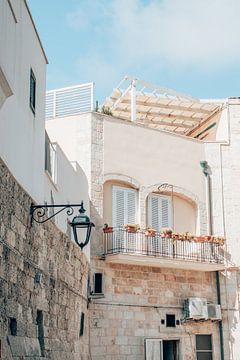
(207, 172)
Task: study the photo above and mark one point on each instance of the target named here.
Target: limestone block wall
(136, 299)
(43, 284)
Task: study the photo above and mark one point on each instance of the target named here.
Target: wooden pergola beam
(165, 106)
(162, 115)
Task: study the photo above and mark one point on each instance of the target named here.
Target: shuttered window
(159, 211)
(124, 206)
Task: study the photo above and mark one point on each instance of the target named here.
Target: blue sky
(191, 46)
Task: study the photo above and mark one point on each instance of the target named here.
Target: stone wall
(136, 299)
(43, 284)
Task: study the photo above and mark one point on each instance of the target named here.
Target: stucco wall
(61, 294)
(152, 157)
(71, 187)
(22, 132)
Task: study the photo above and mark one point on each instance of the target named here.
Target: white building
(38, 165)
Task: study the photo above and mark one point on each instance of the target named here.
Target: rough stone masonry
(43, 284)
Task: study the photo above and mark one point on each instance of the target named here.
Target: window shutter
(118, 207)
(131, 206)
(154, 349)
(159, 211)
(123, 206)
(165, 212)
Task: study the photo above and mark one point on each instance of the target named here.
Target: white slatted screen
(159, 211)
(124, 206)
(154, 349)
(69, 101)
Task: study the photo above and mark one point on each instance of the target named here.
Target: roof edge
(36, 32)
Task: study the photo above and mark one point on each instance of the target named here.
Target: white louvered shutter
(131, 206)
(124, 206)
(154, 349)
(159, 211)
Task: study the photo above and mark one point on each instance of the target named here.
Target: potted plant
(150, 232)
(220, 240)
(107, 229)
(132, 228)
(166, 232)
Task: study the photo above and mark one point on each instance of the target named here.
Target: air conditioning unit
(214, 312)
(195, 308)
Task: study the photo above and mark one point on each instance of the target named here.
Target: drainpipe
(207, 173)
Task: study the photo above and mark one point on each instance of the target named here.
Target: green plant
(106, 110)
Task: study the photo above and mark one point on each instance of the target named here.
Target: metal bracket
(38, 213)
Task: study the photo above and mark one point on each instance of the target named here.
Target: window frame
(94, 281)
(32, 91)
(204, 351)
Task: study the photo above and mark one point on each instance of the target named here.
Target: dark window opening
(162, 321)
(39, 321)
(170, 350)
(177, 322)
(13, 326)
(32, 98)
(81, 324)
(170, 320)
(98, 283)
(204, 347)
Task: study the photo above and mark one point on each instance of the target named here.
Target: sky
(192, 46)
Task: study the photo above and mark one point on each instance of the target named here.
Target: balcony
(136, 248)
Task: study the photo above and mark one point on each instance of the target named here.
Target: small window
(13, 326)
(170, 320)
(98, 283)
(204, 347)
(32, 91)
(81, 332)
(50, 158)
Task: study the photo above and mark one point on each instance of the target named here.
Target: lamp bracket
(38, 213)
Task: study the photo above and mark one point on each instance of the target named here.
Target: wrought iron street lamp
(82, 227)
(81, 224)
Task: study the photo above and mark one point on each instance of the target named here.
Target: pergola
(159, 107)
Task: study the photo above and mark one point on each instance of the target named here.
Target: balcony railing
(120, 241)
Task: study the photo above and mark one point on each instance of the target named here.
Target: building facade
(151, 178)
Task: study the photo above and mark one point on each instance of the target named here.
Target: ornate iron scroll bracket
(39, 213)
(165, 187)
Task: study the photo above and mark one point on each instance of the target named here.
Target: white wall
(152, 156)
(22, 132)
(71, 187)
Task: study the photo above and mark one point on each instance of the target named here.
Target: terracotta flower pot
(108, 230)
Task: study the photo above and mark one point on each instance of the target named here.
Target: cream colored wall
(185, 212)
(152, 157)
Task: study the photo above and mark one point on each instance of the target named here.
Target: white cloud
(131, 34)
(191, 32)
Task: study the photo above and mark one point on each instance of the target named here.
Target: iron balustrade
(122, 241)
